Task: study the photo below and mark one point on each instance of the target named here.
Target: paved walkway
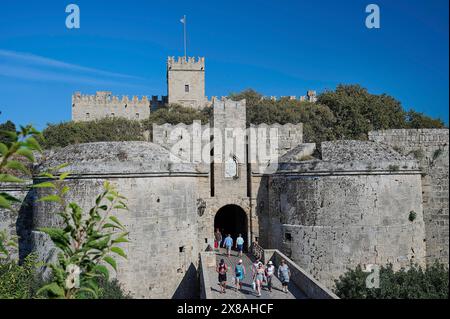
(247, 291)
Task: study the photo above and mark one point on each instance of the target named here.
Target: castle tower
(186, 81)
(230, 152)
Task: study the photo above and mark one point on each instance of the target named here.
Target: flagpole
(184, 24)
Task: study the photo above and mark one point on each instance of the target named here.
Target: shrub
(411, 283)
(112, 289)
(104, 130)
(19, 281)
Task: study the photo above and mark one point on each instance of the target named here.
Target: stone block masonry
(431, 148)
(104, 105)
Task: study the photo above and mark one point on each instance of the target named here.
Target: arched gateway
(232, 219)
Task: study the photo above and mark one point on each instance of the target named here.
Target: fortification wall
(288, 136)
(103, 104)
(431, 148)
(185, 141)
(16, 222)
(332, 214)
(162, 215)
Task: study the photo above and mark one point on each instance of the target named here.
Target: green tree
(174, 114)
(419, 120)
(357, 111)
(8, 126)
(317, 119)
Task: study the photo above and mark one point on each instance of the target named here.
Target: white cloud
(37, 68)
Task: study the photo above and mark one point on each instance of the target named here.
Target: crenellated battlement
(183, 63)
(311, 96)
(105, 98)
(225, 103)
(104, 104)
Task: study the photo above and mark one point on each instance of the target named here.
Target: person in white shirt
(270, 271)
(240, 244)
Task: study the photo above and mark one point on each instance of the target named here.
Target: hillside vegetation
(348, 112)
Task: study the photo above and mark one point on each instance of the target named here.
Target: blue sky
(276, 47)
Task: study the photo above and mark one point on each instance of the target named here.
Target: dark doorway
(231, 219)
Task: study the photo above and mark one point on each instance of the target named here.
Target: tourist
(284, 274)
(240, 244)
(239, 271)
(222, 271)
(217, 239)
(255, 266)
(228, 243)
(259, 278)
(270, 271)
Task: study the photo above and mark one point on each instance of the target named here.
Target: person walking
(270, 271)
(284, 274)
(240, 245)
(228, 243)
(222, 271)
(255, 266)
(239, 271)
(259, 278)
(217, 239)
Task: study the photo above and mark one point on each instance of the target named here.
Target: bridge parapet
(304, 281)
(207, 263)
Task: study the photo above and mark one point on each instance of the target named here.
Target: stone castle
(384, 200)
(185, 86)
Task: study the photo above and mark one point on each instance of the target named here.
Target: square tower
(230, 148)
(186, 81)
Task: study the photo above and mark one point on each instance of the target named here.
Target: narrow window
(181, 249)
(186, 88)
(137, 115)
(288, 236)
(88, 115)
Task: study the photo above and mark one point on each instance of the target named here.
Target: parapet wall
(103, 104)
(346, 209)
(183, 63)
(431, 148)
(311, 96)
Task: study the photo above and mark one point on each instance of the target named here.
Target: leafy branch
(14, 154)
(87, 242)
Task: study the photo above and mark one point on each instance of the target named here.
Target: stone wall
(103, 105)
(188, 142)
(431, 148)
(328, 216)
(162, 216)
(16, 222)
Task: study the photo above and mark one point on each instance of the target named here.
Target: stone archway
(232, 219)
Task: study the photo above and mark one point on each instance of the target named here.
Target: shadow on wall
(269, 222)
(189, 287)
(24, 225)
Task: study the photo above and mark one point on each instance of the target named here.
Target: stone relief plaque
(231, 168)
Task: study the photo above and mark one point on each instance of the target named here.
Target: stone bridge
(302, 285)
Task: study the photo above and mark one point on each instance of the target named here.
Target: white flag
(183, 20)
